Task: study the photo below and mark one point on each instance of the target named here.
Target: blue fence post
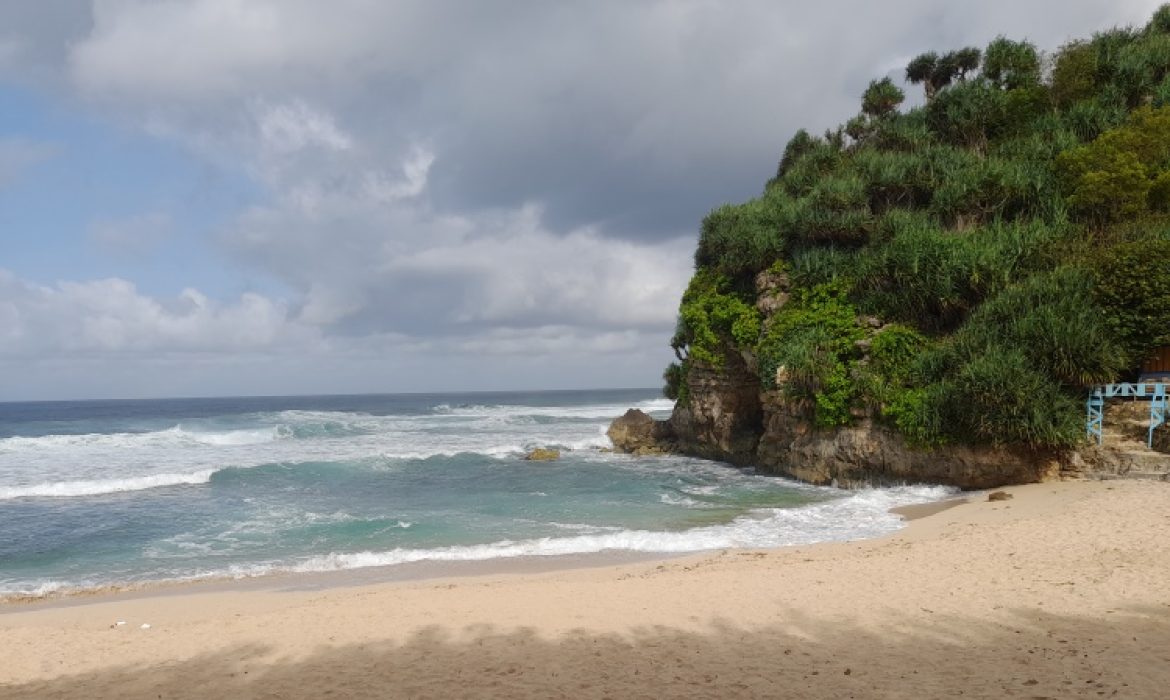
(1096, 410)
(1157, 411)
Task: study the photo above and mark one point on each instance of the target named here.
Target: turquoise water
(118, 492)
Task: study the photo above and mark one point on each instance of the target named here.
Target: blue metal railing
(1155, 392)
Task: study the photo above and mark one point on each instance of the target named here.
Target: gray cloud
(484, 176)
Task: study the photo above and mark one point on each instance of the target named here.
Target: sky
(270, 197)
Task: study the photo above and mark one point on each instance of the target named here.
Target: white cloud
(294, 126)
(110, 316)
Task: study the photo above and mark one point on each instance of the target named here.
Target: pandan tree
(881, 98)
(1011, 64)
(935, 72)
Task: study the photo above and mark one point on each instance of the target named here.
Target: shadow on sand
(1124, 655)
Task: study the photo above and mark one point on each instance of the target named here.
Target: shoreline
(419, 571)
(286, 581)
(1059, 592)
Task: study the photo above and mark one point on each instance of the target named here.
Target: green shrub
(1074, 73)
(893, 178)
(819, 265)
(999, 398)
(1109, 46)
(675, 378)
(1052, 319)
(801, 143)
(929, 276)
(1110, 178)
(1133, 288)
(739, 240)
(820, 159)
(967, 115)
(1011, 65)
(1090, 118)
(712, 318)
(992, 189)
(894, 352)
(1142, 65)
(901, 132)
(918, 414)
(812, 343)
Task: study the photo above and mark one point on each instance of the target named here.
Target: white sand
(1062, 592)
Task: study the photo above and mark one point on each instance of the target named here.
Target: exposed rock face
(728, 416)
(869, 453)
(1162, 438)
(723, 418)
(638, 433)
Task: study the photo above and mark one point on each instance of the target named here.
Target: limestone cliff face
(729, 416)
(868, 453)
(723, 418)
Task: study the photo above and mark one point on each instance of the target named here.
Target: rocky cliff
(729, 416)
(731, 420)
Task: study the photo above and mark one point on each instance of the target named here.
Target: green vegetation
(966, 268)
(810, 350)
(712, 318)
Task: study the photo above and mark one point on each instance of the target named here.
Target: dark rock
(543, 454)
(722, 418)
(999, 496)
(638, 433)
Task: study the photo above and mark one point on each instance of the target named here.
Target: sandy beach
(1061, 592)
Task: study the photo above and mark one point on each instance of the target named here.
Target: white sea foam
(67, 489)
(859, 515)
(598, 411)
(74, 465)
(862, 514)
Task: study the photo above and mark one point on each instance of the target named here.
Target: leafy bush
(1142, 65)
(1074, 73)
(1052, 319)
(1133, 288)
(676, 388)
(930, 277)
(801, 143)
(739, 240)
(809, 350)
(999, 398)
(1110, 179)
(823, 265)
(712, 318)
(1011, 65)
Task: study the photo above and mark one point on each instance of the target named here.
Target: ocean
(131, 492)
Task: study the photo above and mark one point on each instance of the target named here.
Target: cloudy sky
(210, 197)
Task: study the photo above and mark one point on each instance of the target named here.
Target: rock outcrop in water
(638, 433)
(543, 454)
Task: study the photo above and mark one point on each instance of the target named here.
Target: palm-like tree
(935, 72)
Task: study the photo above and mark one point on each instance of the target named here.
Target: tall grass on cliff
(965, 269)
